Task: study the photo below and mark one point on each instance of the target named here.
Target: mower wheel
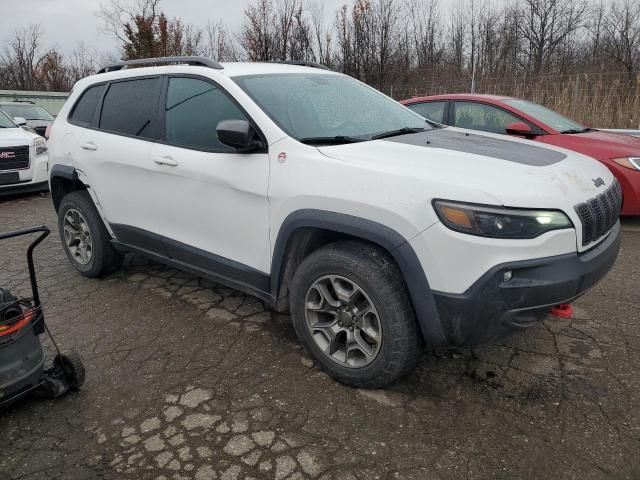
(71, 365)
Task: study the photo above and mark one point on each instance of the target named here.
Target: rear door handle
(167, 160)
(88, 146)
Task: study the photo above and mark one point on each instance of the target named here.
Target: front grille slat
(14, 158)
(599, 215)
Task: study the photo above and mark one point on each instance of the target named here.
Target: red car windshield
(547, 116)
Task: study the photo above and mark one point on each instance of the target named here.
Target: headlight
(495, 222)
(628, 162)
(41, 145)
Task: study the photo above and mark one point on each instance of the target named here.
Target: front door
(213, 209)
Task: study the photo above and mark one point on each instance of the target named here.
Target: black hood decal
(481, 145)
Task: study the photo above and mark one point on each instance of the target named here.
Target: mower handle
(45, 231)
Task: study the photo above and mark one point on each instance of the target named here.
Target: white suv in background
(24, 162)
(316, 193)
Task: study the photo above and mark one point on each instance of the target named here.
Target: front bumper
(34, 179)
(493, 308)
(27, 187)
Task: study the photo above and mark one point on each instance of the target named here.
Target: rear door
(434, 111)
(114, 155)
(213, 210)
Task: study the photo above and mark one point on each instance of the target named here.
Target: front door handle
(166, 160)
(89, 146)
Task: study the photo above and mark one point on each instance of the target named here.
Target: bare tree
(22, 57)
(547, 23)
(219, 43)
(424, 17)
(321, 35)
(117, 14)
(621, 28)
(258, 36)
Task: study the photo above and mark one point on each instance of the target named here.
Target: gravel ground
(188, 379)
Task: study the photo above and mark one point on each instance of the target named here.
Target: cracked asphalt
(191, 380)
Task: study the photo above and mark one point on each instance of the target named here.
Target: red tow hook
(562, 311)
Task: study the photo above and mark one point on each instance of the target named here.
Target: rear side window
(85, 108)
(478, 116)
(193, 110)
(129, 107)
(433, 111)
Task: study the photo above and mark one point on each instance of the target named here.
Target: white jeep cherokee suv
(318, 194)
(24, 162)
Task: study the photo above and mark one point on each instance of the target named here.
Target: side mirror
(238, 134)
(519, 128)
(20, 121)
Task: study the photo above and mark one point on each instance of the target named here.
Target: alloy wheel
(343, 321)
(78, 236)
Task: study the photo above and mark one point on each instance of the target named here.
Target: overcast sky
(67, 23)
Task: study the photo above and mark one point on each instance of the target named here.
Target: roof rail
(154, 62)
(301, 63)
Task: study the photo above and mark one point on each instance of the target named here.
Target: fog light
(508, 276)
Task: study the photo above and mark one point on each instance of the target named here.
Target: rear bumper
(494, 308)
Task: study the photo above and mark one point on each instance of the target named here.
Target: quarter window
(129, 107)
(478, 116)
(193, 110)
(85, 108)
(433, 111)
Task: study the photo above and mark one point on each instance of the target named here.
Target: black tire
(104, 257)
(71, 365)
(379, 278)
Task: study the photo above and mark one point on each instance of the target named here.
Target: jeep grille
(598, 215)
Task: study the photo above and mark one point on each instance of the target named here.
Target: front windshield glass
(6, 122)
(28, 112)
(547, 116)
(314, 106)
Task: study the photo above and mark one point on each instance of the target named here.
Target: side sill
(200, 272)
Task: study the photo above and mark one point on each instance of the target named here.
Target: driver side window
(478, 116)
(193, 110)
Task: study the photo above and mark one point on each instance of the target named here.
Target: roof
(458, 96)
(234, 69)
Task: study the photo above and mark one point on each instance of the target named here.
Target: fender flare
(381, 235)
(64, 171)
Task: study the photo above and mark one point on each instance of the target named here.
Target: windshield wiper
(400, 131)
(337, 140)
(577, 130)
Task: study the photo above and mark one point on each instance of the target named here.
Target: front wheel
(351, 311)
(84, 236)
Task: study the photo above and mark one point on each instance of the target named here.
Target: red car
(496, 114)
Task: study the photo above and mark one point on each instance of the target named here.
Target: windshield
(6, 122)
(310, 106)
(547, 116)
(28, 112)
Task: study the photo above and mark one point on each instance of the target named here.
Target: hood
(598, 144)
(13, 137)
(38, 123)
(468, 166)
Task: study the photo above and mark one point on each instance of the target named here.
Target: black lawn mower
(22, 359)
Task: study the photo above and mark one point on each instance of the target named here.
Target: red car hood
(597, 144)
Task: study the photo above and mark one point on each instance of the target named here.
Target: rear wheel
(352, 313)
(84, 236)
